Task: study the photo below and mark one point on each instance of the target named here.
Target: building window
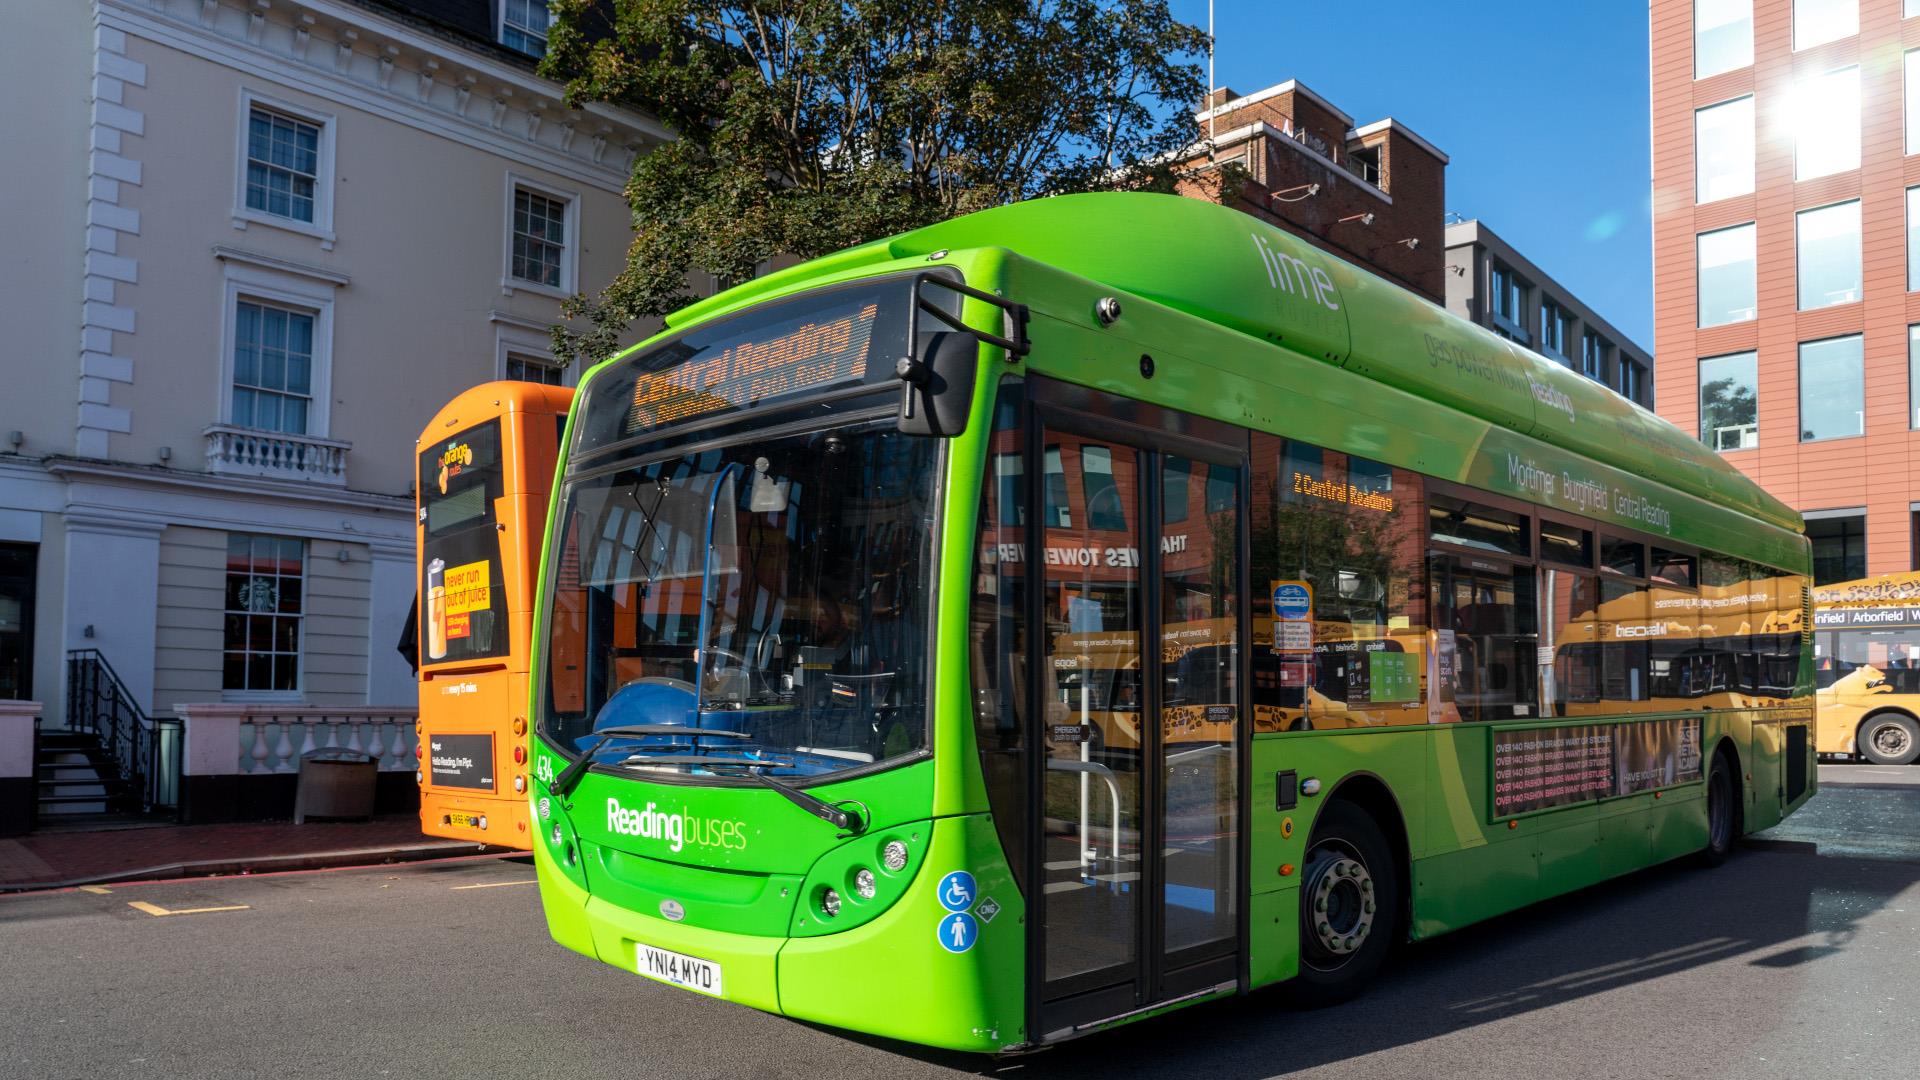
(272, 367)
(1839, 547)
(283, 164)
(1593, 356)
(1827, 255)
(265, 580)
(1555, 325)
(1630, 375)
(1826, 124)
(1510, 304)
(1816, 22)
(1730, 402)
(523, 25)
(1722, 36)
(1913, 376)
(1101, 490)
(1832, 391)
(542, 238)
(1913, 102)
(1726, 282)
(522, 368)
(1364, 162)
(1723, 150)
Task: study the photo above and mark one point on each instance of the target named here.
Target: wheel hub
(1890, 739)
(1342, 900)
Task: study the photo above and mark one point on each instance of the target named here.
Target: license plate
(678, 969)
(458, 817)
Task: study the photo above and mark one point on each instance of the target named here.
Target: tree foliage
(806, 126)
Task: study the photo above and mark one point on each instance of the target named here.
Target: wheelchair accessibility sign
(957, 891)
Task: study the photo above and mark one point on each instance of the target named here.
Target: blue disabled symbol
(957, 891)
(958, 932)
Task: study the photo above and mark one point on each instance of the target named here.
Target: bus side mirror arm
(936, 382)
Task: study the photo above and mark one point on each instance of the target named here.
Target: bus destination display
(819, 351)
(1539, 768)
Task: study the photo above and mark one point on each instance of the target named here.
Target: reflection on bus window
(1482, 528)
(1056, 514)
(1097, 486)
(1350, 533)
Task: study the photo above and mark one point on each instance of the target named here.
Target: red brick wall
(1879, 470)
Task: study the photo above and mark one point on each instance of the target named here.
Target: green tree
(807, 126)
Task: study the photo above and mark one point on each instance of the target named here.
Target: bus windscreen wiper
(847, 821)
(563, 784)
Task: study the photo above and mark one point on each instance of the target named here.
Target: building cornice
(154, 476)
(226, 253)
(354, 57)
(1291, 86)
(1390, 124)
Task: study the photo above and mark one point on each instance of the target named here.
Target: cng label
(957, 891)
(958, 932)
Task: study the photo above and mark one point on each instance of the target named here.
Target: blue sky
(1541, 107)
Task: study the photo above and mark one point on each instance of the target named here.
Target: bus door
(1138, 778)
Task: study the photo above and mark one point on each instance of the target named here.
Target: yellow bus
(1866, 651)
(485, 473)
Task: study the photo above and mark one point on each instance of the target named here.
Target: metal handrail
(1092, 768)
(146, 752)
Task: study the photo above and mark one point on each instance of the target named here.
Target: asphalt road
(1799, 958)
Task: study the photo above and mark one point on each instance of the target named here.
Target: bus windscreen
(463, 596)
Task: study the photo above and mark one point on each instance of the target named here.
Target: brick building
(1786, 201)
(1373, 194)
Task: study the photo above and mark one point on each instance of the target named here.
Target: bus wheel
(1723, 812)
(1889, 738)
(1349, 907)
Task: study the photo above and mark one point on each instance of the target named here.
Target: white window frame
(298, 695)
(527, 339)
(569, 259)
(321, 228)
(500, 28)
(281, 288)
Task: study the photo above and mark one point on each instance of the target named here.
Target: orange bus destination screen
(822, 350)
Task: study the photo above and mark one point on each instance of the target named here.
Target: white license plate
(678, 969)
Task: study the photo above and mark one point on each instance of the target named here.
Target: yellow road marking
(495, 884)
(96, 890)
(156, 910)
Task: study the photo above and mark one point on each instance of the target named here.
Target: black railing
(145, 752)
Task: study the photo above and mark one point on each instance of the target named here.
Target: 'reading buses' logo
(454, 458)
(676, 829)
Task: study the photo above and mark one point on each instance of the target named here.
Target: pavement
(1795, 959)
(63, 859)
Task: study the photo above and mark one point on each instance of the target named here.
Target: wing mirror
(936, 382)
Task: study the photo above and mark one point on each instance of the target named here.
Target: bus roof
(1231, 269)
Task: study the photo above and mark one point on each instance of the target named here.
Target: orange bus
(486, 470)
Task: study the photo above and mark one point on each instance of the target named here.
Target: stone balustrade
(265, 740)
(238, 451)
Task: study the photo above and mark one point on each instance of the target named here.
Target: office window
(1913, 101)
(1730, 401)
(272, 367)
(1726, 275)
(1722, 36)
(1839, 547)
(1555, 324)
(1630, 376)
(1827, 255)
(1816, 22)
(1510, 304)
(534, 369)
(1832, 397)
(283, 164)
(1826, 124)
(1913, 379)
(1723, 150)
(265, 578)
(1593, 355)
(1911, 9)
(523, 25)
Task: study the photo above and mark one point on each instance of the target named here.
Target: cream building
(252, 246)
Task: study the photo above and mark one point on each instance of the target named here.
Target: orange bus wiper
(564, 783)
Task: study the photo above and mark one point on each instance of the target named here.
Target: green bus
(1097, 605)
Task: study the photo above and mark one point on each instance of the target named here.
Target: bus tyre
(1889, 738)
(1723, 811)
(1349, 907)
